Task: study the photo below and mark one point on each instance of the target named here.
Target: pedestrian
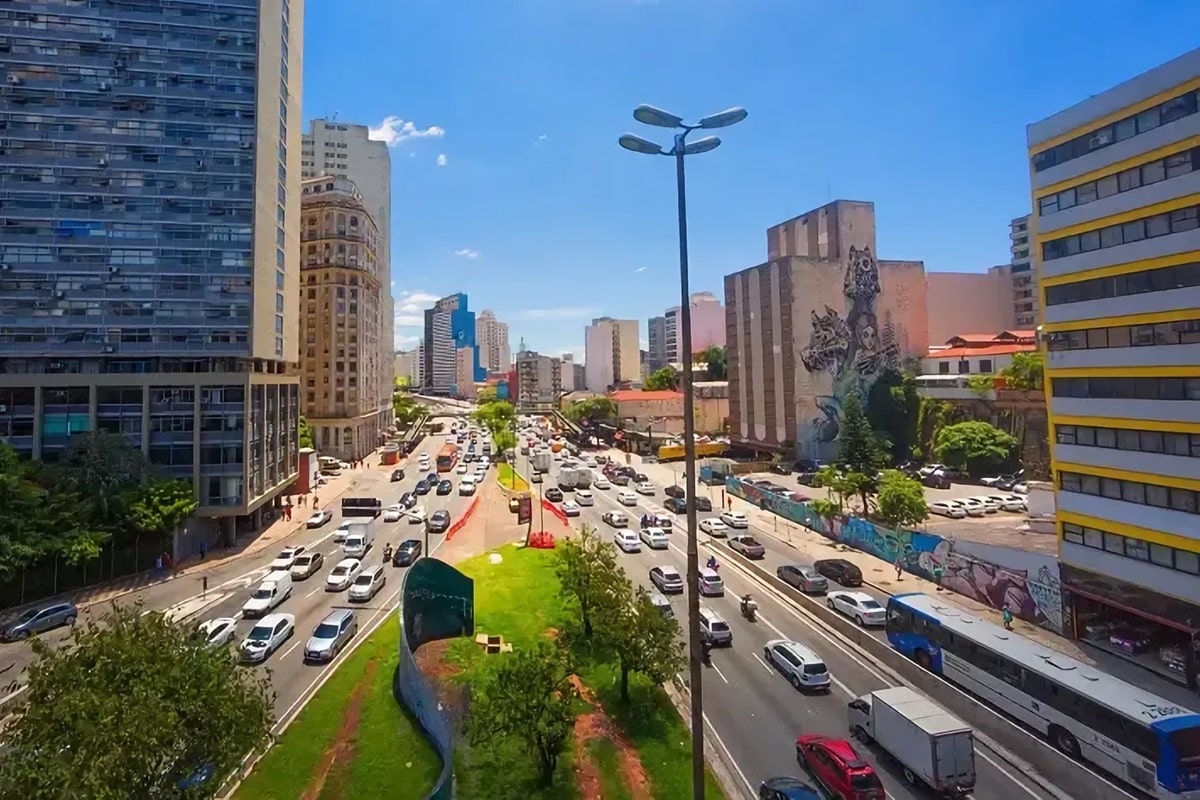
(166, 559)
(899, 567)
(1006, 616)
(158, 567)
(937, 576)
(316, 502)
(203, 549)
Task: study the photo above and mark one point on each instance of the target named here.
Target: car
(704, 504)
(735, 519)
(936, 480)
(407, 500)
(638, 477)
(627, 498)
(330, 636)
(406, 553)
(618, 479)
(1020, 488)
(536, 477)
(319, 518)
(367, 584)
(804, 579)
(217, 632)
(995, 479)
(393, 513)
(667, 579)
(600, 482)
(747, 546)
(397, 475)
(787, 788)
(307, 565)
(439, 522)
(343, 575)
(445, 487)
(461, 469)
(584, 497)
(990, 506)
(1010, 502)
(645, 488)
(423, 487)
(571, 509)
(617, 519)
(714, 527)
(432, 478)
(554, 494)
(946, 509)
(287, 556)
(781, 469)
(839, 570)
(859, 606)
(417, 515)
(969, 508)
(341, 532)
(803, 668)
(266, 637)
(655, 538)
(837, 766)
(467, 486)
(675, 491)
(423, 460)
(676, 505)
(627, 541)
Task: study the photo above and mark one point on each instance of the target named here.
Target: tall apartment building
(539, 379)
(148, 285)
(656, 343)
(568, 373)
(611, 354)
(1019, 243)
(345, 150)
(341, 300)
(491, 335)
(822, 318)
(1116, 193)
(708, 326)
(408, 366)
(449, 327)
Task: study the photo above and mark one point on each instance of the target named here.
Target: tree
(587, 573)
(600, 408)
(640, 636)
(828, 510)
(714, 358)
(498, 415)
(1026, 372)
(529, 694)
(505, 440)
(159, 506)
(487, 395)
(893, 406)
(132, 706)
(976, 447)
(663, 379)
(859, 448)
(900, 501)
(406, 409)
(305, 435)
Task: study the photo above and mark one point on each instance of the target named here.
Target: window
(1114, 235)
(1132, 548)
(1127, 388)
(1171, 333)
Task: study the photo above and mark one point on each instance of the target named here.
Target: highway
(754, 713)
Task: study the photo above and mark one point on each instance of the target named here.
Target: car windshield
(720, 626)
(326, 630)
(260, 633)
(870, 605)
(262, 594)
(289, 553)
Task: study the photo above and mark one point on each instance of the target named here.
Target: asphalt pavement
(753, 712)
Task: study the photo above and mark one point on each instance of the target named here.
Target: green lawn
(391, 758)
(509, 479)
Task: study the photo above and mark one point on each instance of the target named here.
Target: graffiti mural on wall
(852, 350)
(1027, 583)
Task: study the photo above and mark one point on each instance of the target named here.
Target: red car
(837, 766)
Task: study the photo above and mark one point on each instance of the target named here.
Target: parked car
(747, 546)
(666, 579)
(714, 527)
(837, 766)
(859, 606)
(307, 565)
(781, 469)
(805, 579)
(1020, 488)
(1010, 502)
(319, 518)
(973, 507)
(936, 480)
(406, 553)
(995, 479)
(266, 637)
(330, 636)
(946, 509)
(674, 491)
(439, 522)
(617, 519)
(839, 570)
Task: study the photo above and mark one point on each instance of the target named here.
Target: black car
(703, 504)
(432, 478)
(938, 480)
(445, 487)
(439, 521)
(408, 500)
(619, 479)
(397, 475)
(839, 570)
(781, 469)
(640, 477)
(423, 487)
(554, 494)
(408, 552)
(674, 491)
(676, 505)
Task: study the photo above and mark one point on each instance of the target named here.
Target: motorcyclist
(706, 651)
(712, 563)
(749, 606)
(387, 552)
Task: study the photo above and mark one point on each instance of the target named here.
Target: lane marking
(718, 671)
(764, 664)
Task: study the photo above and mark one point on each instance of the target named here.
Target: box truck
(360, 535)
(933, 747)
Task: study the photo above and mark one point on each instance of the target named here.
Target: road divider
(463, 520)
(1028, 751)
(556, 511)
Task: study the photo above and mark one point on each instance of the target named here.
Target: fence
(412, 689)
(56, 576)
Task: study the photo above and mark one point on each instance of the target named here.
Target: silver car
(805, 579)
(330, 636)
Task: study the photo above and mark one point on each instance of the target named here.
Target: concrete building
(156, 296)
(1026, 306)
(345, 150)
(1019, 243)
(491, 335)
(611, 354)
(449, 327)
(408, 366)
(968, 301)
(341, 300)
(656, 343)
(977, 353)
(1116, 193)
(539, 379)
(708, 326)
(568, 373)
(466, 372)
(859, 317)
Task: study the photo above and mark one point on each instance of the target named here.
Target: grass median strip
(509, 479)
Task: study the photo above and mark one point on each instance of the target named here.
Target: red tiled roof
(634, 395)
(982, 338)
(989, 350)
(1022, 334)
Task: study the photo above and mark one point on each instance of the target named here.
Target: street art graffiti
(851, 350)
(1026, 583)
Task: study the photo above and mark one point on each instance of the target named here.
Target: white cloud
(405, 342)
(441, 159)
(559, 313)
(467, 252)
(394, 130)
(541, 138)
(639, 270)
(410, 307)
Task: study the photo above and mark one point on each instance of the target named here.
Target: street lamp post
(649, 115)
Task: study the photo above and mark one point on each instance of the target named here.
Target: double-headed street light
(649, 115)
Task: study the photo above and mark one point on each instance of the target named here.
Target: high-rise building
(408, 366)
(656, 343)
(345, 150)
(449, 327)
(611, 355)
(341, 301)
(539, 378)
(568, 373)
(708, 326)
(491, 335)
(1116, 198)
(148, 285)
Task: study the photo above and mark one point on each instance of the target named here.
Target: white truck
(568, 477)
(933, 747)
(360, 535)
(583, 478)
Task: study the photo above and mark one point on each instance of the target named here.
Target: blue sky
(520, 196)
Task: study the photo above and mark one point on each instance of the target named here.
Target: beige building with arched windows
(340, 325)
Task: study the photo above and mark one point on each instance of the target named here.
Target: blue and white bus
(1146, 740)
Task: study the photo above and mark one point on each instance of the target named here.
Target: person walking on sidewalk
(937, 576)
(899, 567)
(1007, 617)
(203, 549)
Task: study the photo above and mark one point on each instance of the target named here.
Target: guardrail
(1073, 778)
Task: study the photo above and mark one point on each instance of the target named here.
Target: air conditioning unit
(105, 86)
(114, 270)
(102, 163)
(106, 36)
(5, 267)
(200, 165)
(1102, 139)
(14, 80)
(108, 348)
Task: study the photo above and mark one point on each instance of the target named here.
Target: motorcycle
(749, 609)
(387, 553)
(706, 653)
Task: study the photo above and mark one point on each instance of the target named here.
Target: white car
(341, 533)
(218, 632)
(971, 509)
(616, 518)
(392, 514)
(417, 515)
(1010, 502)
(570, 508)
(461, 469)
(627, 498)
(600, 482)
(319, 518)
(735, 519)
(627, 541)
(859, 606)
(584, 497)
(287, 557)
(266, 637)
(343, 575)
(655, 538)
(990, 506)
(714, 527)
(645, 488)
(945, 509)
(1021, 488)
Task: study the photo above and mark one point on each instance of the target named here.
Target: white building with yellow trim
(1116, 198)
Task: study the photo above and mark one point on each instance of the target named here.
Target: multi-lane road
(754, 714)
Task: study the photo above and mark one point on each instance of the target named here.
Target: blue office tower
(449, 327)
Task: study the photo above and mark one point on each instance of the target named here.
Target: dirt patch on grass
(596, 724)
(441, 673)
(340, 752)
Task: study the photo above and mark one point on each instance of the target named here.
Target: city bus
(1147, 741)
(447, 457)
